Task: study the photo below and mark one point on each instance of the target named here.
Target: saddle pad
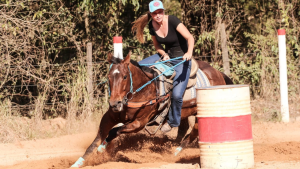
(165, 85)
(171, 73)
(202, 81)
(162, 67)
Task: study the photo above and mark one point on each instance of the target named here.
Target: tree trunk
(226, 65)
(90, 77)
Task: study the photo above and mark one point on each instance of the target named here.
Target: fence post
(283, 77)
(90, 76)
(118, 47)
(226, 65)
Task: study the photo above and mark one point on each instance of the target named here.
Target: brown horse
(136, 118)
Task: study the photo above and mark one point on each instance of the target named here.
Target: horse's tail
(227, 79)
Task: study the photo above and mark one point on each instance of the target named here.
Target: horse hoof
(178, 150)
(78, 163)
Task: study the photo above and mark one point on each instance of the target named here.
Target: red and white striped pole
(118, 47)
(283, 76)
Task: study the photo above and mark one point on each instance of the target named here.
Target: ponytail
(139, 25)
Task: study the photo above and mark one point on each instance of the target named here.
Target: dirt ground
(276, 145)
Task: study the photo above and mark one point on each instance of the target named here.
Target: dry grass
(269, 110)
(80, 115)
(14, 129)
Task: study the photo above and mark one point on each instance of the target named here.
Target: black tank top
(175, 43)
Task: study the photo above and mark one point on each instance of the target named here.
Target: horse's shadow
(190, 160)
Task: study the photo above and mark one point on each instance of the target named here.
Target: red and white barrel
(224, 125)
(118, 47)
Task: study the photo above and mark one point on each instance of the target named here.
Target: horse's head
(119, 81)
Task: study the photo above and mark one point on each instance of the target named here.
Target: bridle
(126, 100)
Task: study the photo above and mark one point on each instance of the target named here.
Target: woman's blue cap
(155, 5)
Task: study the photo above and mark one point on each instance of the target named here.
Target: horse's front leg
(109, 120)
(132, 127)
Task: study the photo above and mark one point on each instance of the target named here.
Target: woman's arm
(190, 39)
(160, 49)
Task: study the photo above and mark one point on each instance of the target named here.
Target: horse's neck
(139, 78)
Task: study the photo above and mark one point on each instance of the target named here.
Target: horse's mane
(115, 60)
(135, 63)
(143, 68)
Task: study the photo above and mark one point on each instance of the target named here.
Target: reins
(140, 104)
(139, 89)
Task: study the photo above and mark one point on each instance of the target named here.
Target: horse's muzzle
(116, 106)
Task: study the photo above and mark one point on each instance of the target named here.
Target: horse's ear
(127, 59)
(109, 57)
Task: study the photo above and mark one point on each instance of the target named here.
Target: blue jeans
(180, 82)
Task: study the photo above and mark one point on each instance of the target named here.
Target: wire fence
(56, 64)
(21, 90)
(98, 83)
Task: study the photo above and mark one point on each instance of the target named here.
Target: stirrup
(159, 120)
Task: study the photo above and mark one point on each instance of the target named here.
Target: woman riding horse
(137, 110)
(178, 41)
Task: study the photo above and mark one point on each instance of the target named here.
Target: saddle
(197, 79)
(192, 79)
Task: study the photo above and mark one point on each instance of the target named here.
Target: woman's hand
(166, 57)
(187, 56)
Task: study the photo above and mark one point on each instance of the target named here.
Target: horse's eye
(125, 77)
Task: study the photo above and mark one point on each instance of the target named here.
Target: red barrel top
(117, 39)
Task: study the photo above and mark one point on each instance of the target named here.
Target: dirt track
(276, 145)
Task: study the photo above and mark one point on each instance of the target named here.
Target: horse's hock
(225, 132)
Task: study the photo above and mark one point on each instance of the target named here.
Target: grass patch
(16, 128)
(270, 110)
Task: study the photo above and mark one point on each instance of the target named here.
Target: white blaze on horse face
(116, 71)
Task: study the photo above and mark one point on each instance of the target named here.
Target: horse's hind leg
(182, 130)
(188, 138)
(186, 125)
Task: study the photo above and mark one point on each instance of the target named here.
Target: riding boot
(166, 128)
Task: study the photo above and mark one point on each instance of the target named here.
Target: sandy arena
(276, 145)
